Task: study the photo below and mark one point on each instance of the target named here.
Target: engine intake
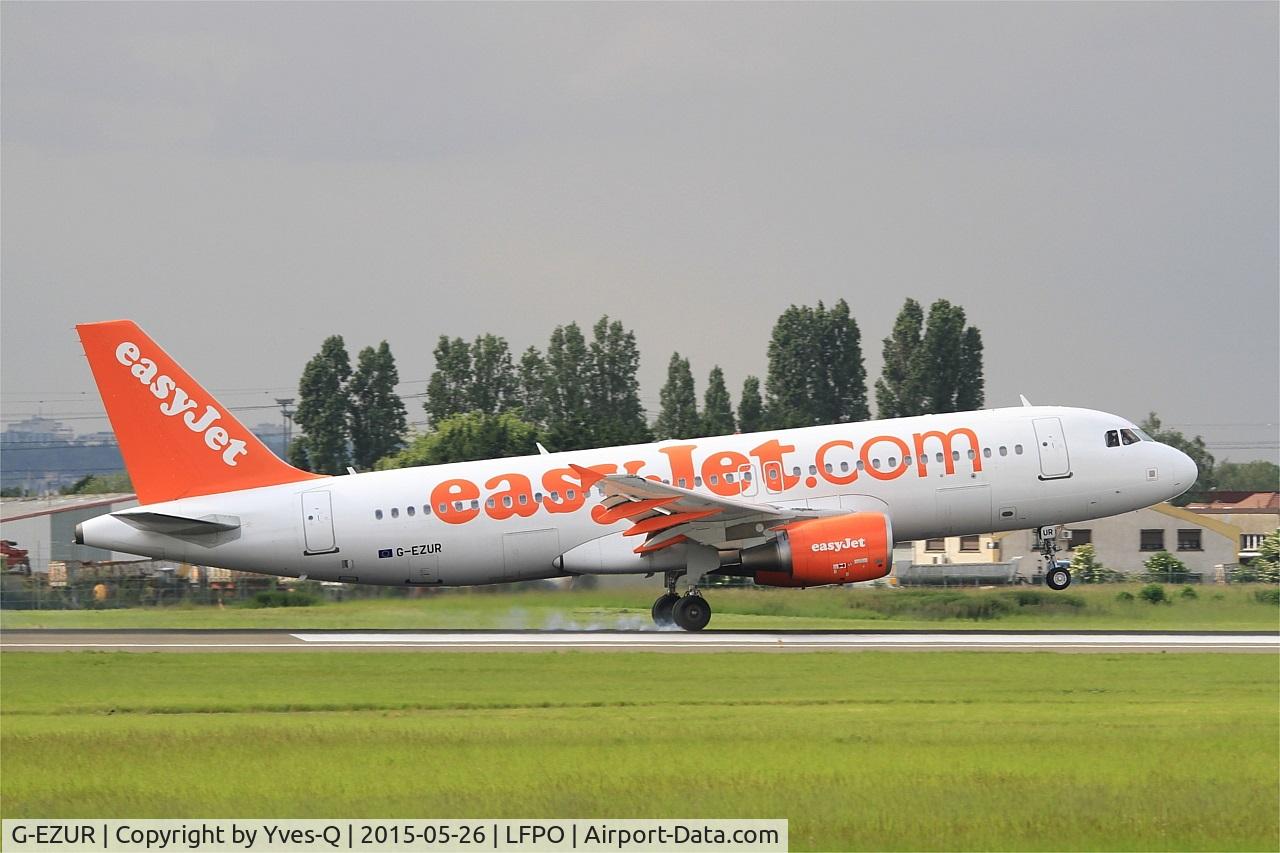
(836, 549)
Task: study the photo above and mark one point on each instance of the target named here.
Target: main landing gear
(689, 612)
(1056, 574)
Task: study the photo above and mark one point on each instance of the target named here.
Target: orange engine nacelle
(835, 549)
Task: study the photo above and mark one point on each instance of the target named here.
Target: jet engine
(835, 549)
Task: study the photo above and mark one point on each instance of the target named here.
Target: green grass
(859, 751)
(1081, 607)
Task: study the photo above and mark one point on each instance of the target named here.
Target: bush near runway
(868, 751)
(1101, 606)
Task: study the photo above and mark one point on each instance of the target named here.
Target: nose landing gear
(1056, 575)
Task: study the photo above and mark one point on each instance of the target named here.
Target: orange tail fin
(176, 439)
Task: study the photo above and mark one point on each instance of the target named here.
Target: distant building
(45, 527)
(1257, 514)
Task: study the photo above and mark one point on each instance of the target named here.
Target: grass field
(1081, 607)
(859, 751)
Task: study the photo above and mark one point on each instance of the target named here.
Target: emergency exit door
(317, 522)
(1055, 462)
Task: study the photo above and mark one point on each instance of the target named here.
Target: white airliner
(797, 507)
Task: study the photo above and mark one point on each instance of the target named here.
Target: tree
(466, 438)
(322, 407)
(898, 390)
(1193, 447)
(750, 406)
(616, 414)
(717, 411)
(377, 415)
(493, 376)
(816, 373)
(678, 412)
(1165, 568)
(1267, 563)
(568, 418)
(931, 367)
(970, 384)
(531, 387)
(1256, 476)
(1086, 568)
(449, 388)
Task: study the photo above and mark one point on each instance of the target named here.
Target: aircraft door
(317, 522)
(1055, 463)
(773, 477)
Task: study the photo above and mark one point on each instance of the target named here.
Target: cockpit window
(1128, 436)
(1142, 435)
(1113, 438)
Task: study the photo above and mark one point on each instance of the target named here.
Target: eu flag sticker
(384, 552)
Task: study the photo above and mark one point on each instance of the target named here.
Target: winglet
(589, 478)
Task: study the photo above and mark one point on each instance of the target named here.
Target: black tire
(692, 613)
(662, 609)
(1058, 579)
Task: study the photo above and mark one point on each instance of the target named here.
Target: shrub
(1086, 568)
(281, 598)
(1153, 592)
(1124, 595)
(1267, 596)
(1188, 592)
(1163, 566)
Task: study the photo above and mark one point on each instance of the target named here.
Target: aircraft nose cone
(1184, 470)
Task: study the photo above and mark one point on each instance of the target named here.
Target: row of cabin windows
(682, 482)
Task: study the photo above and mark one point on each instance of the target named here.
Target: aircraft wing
(666, 515)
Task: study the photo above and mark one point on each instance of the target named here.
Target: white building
(46, 527)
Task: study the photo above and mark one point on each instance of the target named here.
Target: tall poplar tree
(816, 372)
(377, 415)
(492, 386)
(970, 384)
(322, 409)
(568, 417)
(531, 388)
(449, 388)
(678, 412)
(616, 413)
(750, 406)
(898, 391)
(717, 410)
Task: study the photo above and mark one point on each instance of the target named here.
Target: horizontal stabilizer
(178, 525)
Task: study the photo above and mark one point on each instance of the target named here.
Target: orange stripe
(662, 522)
(649, 549)
(632, 508)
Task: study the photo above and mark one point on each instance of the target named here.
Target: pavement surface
(214, 640)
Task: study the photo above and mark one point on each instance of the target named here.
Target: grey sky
(1095, 184)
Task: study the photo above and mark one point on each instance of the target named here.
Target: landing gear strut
(1056, 576)
(689, 612)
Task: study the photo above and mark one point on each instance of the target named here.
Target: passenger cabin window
(1113, 438)
(395, 512)
(426, 509)
(410, 511)
(1004, 451)
(377, 513)
(1017, 448)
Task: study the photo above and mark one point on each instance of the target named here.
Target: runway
(164, 640)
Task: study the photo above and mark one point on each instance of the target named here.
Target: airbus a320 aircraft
(794, 508)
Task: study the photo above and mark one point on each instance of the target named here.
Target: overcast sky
(1095, 184)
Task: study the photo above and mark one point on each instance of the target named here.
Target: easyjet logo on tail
(175, 401)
